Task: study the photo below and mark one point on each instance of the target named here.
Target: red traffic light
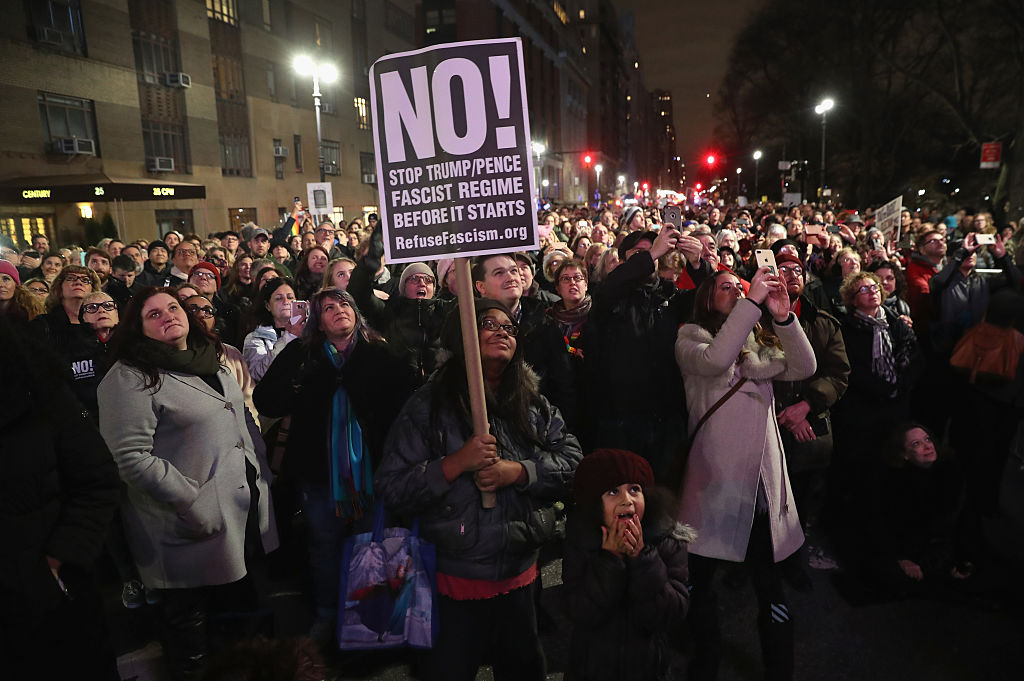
(645, 186)
(711, 159)
(699, 186)
(587, 159)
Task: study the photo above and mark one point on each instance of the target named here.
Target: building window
(175, 219)
(278, 161)
(154, 56)
(240, 216)
(235, 159)
(227, 78)
(223, 10)
(332, 157)
(271, 82)
(399, 22)
(58, 24)
(560, 12)
(297, 143)
(367, 168)
(163, 139)
(266, 15)
(361, 118)
(64, 117)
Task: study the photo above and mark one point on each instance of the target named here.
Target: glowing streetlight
(822, 110)
(757, 172)
(321, 71)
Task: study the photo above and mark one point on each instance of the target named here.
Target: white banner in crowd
(320, 198)
(887, 218)
(454, 163)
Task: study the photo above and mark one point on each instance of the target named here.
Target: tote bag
(388, 589)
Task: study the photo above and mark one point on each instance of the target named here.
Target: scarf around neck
(348, 461)
(883, 362)
(570, 323)
(199, 359)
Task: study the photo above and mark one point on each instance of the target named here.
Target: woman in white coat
(197, 506)
(736, 492)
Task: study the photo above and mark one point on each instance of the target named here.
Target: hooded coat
(740, 444)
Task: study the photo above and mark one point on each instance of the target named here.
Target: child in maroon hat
(624, 570)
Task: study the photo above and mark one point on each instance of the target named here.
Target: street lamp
(757, 173)
(822, 109)
(321, 71)
(597, 169)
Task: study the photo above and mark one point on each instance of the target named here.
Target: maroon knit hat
(604, 469)
(209, 267)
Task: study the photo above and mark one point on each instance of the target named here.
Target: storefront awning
(93, 188)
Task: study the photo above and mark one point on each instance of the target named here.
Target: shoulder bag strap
(722, 400)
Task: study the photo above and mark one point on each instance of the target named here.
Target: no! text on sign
(452, 138)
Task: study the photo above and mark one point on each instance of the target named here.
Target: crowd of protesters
(816, 414)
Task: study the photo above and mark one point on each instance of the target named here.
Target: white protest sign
(887, 218)
(454, 162)
(320, 198)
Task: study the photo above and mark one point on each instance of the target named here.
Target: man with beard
(802, 408)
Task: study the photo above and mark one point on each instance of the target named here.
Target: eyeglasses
(186, 251)
(204, 312)
(321, 230)
(421, 279)
(870, 288)
(794, 271)
(935, 240)
(571, 278)
(78, 279)
(493, 326)
(203, 274)
(93, 308)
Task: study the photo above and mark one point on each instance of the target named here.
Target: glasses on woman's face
(571, 278)
(78, 279)
(868, 288)
(38, 290)
(202, 311)
(422, 279)
(93, 308)
(493, 326)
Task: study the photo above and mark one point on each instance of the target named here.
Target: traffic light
(588, 158)
(711, 160)
(699, 186)
(645, 186)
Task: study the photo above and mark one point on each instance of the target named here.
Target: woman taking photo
(272, 311)
(342, 389)
(736, 492)
(197, 508)
(435, 467)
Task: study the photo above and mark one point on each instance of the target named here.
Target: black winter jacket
(59, 488)
(301, 382)
(622, 608)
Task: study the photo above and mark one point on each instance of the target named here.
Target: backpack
(989, 352)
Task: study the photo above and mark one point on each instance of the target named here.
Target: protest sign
(454, 162)
(320, 198)
(887, 218)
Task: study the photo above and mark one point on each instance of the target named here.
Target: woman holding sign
(435, 468)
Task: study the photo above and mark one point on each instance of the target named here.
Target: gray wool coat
(740, 443)
(181, 450)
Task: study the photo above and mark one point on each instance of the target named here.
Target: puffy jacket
(261, 346)
(471, 542)
(622, 609)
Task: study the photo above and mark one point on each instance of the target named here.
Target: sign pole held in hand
(474, 370)
(451, 130)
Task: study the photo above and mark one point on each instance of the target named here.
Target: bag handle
(714, 407)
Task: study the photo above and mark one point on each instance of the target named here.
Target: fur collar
(760, 363)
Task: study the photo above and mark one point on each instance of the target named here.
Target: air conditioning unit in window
(369, 178)
(73, 146)
(280, 151)
(160, 164)
(331, 169)
(177, 79)
(327, 108)
(49, 36)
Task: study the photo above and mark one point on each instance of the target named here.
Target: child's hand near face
(625, 539)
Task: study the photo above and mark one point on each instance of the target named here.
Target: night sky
(672, 37)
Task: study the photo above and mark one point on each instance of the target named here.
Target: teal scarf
(348, 461)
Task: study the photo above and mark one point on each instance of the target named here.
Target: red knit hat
(603, 469)
(209, 267)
